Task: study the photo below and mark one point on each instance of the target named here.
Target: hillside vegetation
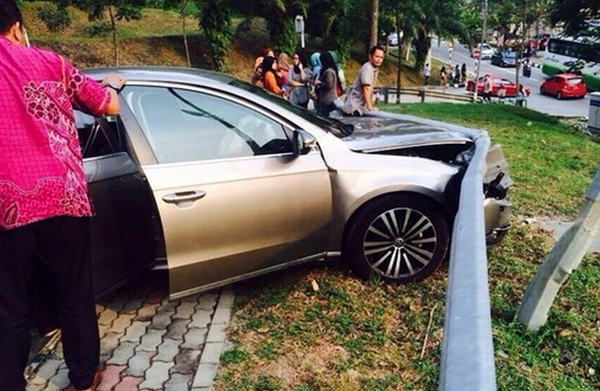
(157, 39)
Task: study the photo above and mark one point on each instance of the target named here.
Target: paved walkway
(149, 343)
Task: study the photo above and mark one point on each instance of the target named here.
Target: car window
(183, 125)
(575, 80)
(97, 136)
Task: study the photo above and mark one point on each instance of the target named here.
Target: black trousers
(62, 245)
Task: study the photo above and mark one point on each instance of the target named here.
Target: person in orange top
(270, 82)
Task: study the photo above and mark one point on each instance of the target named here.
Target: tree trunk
(373, 26)
(185, 41)
(114, 34)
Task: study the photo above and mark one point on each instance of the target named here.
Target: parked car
(392, 39)
(564, 85)
(217, 180)
(504, 58)
(485, 50)
(509, 85)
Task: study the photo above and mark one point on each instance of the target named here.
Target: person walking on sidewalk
(44, 206)
(360, 99)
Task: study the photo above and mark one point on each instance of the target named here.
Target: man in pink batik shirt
(44, 206)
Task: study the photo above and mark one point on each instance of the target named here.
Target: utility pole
(485, 12)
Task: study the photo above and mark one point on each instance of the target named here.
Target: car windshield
(332, 125)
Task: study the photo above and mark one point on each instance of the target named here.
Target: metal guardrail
(423, 92)
(467, 362)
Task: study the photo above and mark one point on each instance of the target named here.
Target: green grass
(362, 335)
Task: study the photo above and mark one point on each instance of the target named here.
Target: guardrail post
(422, 93)
(386, 94)
(565, 256)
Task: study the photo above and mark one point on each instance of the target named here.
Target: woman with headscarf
(298, 78)
(328, 85)
(270, 82)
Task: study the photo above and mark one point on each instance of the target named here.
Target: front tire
(399, 238)
(559, 95)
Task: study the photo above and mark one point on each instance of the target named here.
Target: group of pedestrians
(322, 81)
(455, 76)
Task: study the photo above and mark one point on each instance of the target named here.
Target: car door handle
(174, 198)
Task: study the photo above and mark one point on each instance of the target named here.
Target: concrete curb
(215, 343)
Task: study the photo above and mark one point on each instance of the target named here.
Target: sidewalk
(149, 343)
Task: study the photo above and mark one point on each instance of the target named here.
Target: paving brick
(49, 368)
(168, 305)
(103, 329)
(129, 383)
(135, 332)
(177, 329)
(207, 301)
(178, 382)
(167, 350)
(201, 318)
(205, 375)
(157, 375)
(211, 353)
(108, 344)
(120, 324)
(38, 383)
(216, 333)
(222, 315)
(139, 363)
(186, 361)
(184, 310)
(122, 353)
(107, 317)
(151, 340)
(59, 381)
(227, 298)
(132, 306)
(161, 321)
(111, 376)
(146, 312)
(194, 338)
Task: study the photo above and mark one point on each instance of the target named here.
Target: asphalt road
(536, 101)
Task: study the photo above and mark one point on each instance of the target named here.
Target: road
(536, 101)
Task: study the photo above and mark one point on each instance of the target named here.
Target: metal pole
(485, 11)
(565, 256)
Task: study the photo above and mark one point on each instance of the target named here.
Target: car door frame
(151, 169)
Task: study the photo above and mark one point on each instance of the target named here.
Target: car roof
(163, 74)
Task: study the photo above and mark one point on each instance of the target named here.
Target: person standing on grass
(44, 206)
(360, 98)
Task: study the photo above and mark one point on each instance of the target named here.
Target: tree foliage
(575, 15)
(55, 17)
(215, 20)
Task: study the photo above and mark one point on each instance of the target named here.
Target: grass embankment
(357, 335)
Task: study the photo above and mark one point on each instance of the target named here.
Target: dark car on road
(216, 180)
(504, 58)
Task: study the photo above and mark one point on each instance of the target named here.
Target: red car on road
(511, 87)
(564, 85)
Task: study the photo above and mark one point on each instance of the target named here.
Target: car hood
(384, 134)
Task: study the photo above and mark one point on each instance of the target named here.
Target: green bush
(54, 18)
(98, 29)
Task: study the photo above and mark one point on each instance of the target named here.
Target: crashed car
(216, 180)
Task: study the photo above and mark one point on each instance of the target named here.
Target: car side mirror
(302, 142)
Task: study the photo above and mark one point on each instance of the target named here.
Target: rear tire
(399, 238)
(559, 95)
(542, 91)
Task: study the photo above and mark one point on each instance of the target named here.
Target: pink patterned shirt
(41, 170)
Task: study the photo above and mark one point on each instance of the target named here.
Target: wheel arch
(434, 198)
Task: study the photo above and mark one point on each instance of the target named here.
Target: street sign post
(299, 24)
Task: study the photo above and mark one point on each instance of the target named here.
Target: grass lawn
(321, 328)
